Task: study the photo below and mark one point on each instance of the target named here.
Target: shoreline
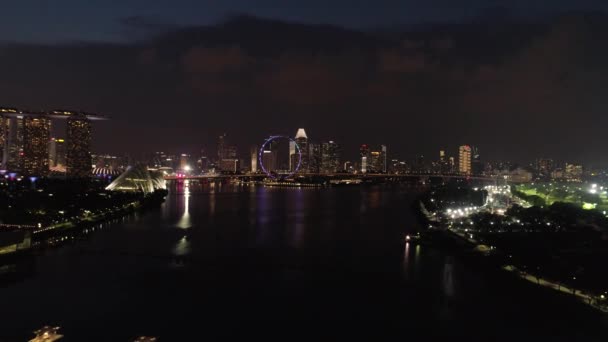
(477, 252)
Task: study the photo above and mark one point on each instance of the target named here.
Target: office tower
(384, 156)
(230, 165)
(269, 159)
(544, 167)
(477, 167)
(253, 153)
(330, 157)
(375, 162)
(292, 152)
(348, 167)
(226, 154)
(444, 162)
(78, 159)
(53, 152)
(365, 158)
(36, 136)
(464, 160)
(13, 149)
(56, 152)
(573, 172)
(3, 132)
(314, 157)
(184, 162)
(302, 142)
(221, 143)
(420, 164)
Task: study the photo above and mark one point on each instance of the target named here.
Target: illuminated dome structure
(138, 179)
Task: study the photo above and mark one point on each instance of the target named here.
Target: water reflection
(298, 224)
(406, 261)
(448, 278)
(182, 247)
(185, 221)
(263, 216)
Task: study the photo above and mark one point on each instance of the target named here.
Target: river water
(227, 262)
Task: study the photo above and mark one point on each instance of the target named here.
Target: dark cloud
(516, 91)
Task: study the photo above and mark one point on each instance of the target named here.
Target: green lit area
(588, 196)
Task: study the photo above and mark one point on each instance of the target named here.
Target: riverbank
(88, 219)
(477, 248)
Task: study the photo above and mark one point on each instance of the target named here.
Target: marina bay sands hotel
(25, 138)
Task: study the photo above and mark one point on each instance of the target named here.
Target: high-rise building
(37, 131)
(348, 167)
(330, 157)
(269, 160)
(185, 162)
(573, 172)
(13, 148)
(375, 162)
(253, 153)
(302, 142)
(544, 167)
(464, 160)
(221, 143)
(384, 156)
(444, 162)
(57, 153)
(3, 132)
(229, 165)
(228, 153)
(78, 156)
(314, 157)
(477, 167)
(398, 167)
(365, 158)
(292, 155)
(452, 164)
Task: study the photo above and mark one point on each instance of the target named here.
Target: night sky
(519, 79)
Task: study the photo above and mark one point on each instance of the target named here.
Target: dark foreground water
(279, 264)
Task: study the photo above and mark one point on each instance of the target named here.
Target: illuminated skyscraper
(384, 156)
(3, 131)
(302, 141)
(544, 167)
(477, 167)
(253, 153)
(330, 157)
(13, 149)
(78, 157)
(464, 160)
(221, 143)
(185, 162)
(36, 136)
(365, 158)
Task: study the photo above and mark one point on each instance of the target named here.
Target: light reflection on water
(125, 269)
(185, 221)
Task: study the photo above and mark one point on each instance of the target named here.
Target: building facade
(78, 156)
(364, 152)
(330, 157)
(464, 160)
(301, 140)
(36, 137)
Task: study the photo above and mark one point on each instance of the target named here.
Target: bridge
(333, 176)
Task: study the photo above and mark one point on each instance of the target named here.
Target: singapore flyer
(269, 170)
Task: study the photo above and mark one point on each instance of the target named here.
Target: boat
(46, 334)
